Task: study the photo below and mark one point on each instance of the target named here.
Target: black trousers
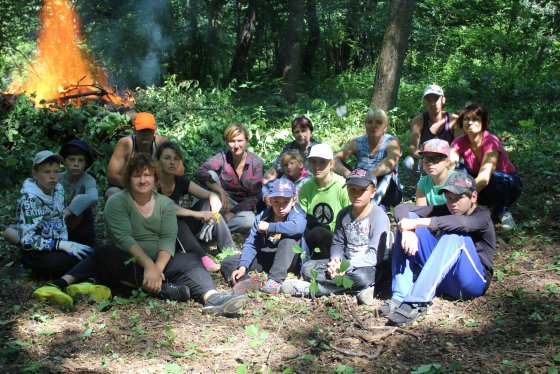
(276, 261)
(113, 267)
(84, 233)
(46, 264)
(319, 237)
(361, 277)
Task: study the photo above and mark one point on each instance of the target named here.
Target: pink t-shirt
(490, 143)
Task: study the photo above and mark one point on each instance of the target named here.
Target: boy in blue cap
(454, 245)
(270, 244)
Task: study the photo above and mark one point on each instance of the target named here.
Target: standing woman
(236, 176)
(142, 228)
(190, 221)
(488, 162)
(377, 152)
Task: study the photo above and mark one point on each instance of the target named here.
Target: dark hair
(137, 164)
(302, 121)
(477, 110)
(168, 145)
(289, 155)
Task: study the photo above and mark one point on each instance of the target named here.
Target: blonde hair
(378, 113)
(234, 130)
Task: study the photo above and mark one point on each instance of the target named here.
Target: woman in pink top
(487, 161)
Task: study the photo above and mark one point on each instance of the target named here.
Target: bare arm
(152, 275)
(122, 150)
(415, 132)
(421, 199)
(387, 165)
(202, 193)
(344, 154)
(455, 126)
(487, 168)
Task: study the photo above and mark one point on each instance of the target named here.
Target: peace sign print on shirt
(324, 213)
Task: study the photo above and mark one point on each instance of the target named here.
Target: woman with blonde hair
(236, 176)
(377, 152)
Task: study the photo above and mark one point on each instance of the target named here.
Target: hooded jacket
(41, 217)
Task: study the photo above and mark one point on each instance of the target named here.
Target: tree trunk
(292, 65)
(239, 62)
(393, 50)
(211, 63)
(314, 38)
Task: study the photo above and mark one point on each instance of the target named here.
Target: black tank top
(445, 134)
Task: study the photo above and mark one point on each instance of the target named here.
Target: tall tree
(239, 62)
(393, 50)
(313, 40)
(292, 65)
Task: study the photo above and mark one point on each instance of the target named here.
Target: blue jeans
(450, 266)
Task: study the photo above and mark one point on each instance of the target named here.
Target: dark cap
(282, 187)
(361, 177)
(81, 145)
(459, 183)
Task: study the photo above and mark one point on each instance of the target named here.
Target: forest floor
(515, 327)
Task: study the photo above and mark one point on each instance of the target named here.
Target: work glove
(75, 249)
(206, 232)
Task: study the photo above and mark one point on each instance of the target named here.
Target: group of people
(310, 213)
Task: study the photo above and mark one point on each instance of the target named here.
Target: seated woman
(488, 162)
(205, 210)
(322, 197)
(434, 156)
(377, 152)
(142, 228)
(236, 176)
(302, 131)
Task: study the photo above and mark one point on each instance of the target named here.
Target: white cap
(322, 150)
(433, 89)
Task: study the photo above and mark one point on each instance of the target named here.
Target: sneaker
(388, 307)
(296, 288)
(365, 296)
(88, 291)
(507, 221)
(271, 287)
(53, 295)
(407, 313)
(174, 292)
(248, 285)
(220, 304)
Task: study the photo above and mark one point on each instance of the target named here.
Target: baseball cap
(80, 144)
(43, 156)
(144, 121)
(282, 187)
(433, 89)
(322, 150)
(435, 146)
(459, 183)
(361, 177)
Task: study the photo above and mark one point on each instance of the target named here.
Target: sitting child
(270, 244)
(80, 192)
(43, 236)
(434, 156)
(454, 245)
(360, 237)
(292, 165)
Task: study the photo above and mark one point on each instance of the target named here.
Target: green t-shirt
(324, 203)
(126, 226)
(426, 185)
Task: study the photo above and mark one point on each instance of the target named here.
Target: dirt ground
(515, 327)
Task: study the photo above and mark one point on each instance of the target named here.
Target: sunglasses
(433, 159)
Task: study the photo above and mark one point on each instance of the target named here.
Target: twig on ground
(355, 353)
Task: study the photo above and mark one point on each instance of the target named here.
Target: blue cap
(282, 187)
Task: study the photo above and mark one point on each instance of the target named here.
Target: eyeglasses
(432, 159)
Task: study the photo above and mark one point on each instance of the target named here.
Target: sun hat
(43, 156)
(322, 150)
(144, 121)
(459, 183)
(433, 89)
(435, 146)
(361, 177)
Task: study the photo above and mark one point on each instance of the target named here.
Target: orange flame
(62, 71)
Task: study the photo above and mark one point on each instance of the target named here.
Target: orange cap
(143, 121)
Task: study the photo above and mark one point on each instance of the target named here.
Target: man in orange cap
(144, 140)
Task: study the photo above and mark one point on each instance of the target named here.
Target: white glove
(75, 249)
(206, 232)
